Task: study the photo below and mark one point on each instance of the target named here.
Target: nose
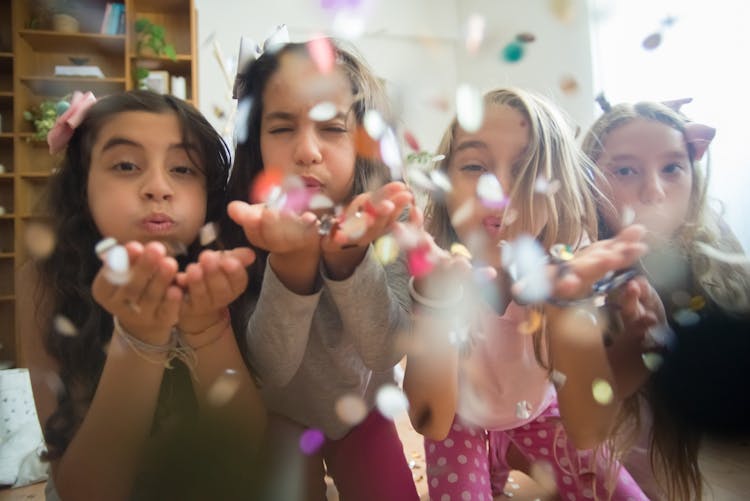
(156, 185)
(307, 148)
(652, 190)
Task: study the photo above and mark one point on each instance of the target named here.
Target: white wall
(418, 47)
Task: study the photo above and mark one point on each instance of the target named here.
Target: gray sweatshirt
(343, 339)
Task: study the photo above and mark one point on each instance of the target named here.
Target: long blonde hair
(727, 285)
(552, 153)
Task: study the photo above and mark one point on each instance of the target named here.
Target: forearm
(101, 461)
(223, 386)
(577, 351)
(298, 271)
(431, 377)
(341, 264)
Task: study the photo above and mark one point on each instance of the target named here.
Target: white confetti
(523, 410)
(208, 233)
(391, 401)
(320, 201)
(351, 409)
(686, 317)
(391, 153)
(652, 360)
(441, 180)
(543, 186)
(374, 124)
(469, 108)
(627, 216)
(64, 326)
(418, 179)
(223, 389)
(322, 112)
(463, 213)
(242, 119)
(490, 191)
(354, 226)
(602, 392)
(386, 249)
(558, 378)
(118, 265)
(525, 261)
(474, 33)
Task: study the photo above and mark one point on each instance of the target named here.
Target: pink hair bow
(696, 134)
(62, 131)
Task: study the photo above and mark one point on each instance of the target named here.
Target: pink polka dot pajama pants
(471, 464)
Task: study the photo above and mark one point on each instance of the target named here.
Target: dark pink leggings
(367, 464)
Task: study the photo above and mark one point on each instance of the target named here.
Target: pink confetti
(311, 441)
(322, 54)
(419, 261)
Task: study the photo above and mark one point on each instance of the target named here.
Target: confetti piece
(474, 33)
(418, 179)
(543, 186)
(242, 119)
(63, 326)
(652, 41)
(513, 52)
(525, 37)
(354, 226)
(686, 317)
(223, 389)
(490, 191)
(458, 249)
(697, 303)
(569, 85)
(391, 153)
(531, 324)
(627, 216)
(469, 108)
(374, 124)
(558, 378)
(391, 401)
(386, 249)
(523, 410)
(322, 53)
(419, 261)
(652, 360)
(118, 265)
(561, 252)
(348, 25)
(602, 392)
(544, 475)
(562, 10)
(104, 246)
(411, 141)
(441, 180)
(463, 213)
(40, 240)
(322, 112)
(719, 255)
(319, 201)
(266, 183)
(311, 441)
(351, 409)
(208, 233)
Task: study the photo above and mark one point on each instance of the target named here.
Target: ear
(700, 137)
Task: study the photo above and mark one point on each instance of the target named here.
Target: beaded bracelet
(172, 349)
(436, 304)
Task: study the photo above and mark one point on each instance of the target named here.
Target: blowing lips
(492, 224)
(312, 184)
(157, 223)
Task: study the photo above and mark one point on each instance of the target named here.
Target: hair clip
(603, 103)
(251, 51)
(66, 124)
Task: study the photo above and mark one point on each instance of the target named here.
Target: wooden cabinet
(28, 57)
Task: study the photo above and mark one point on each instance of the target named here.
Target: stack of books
(113, 22)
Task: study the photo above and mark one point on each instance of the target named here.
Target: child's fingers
(168, 312)
(156, 288)
(236, 275)
(197, 293)
(141, 272)
(244, 255)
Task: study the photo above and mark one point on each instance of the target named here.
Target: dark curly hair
(65, 276)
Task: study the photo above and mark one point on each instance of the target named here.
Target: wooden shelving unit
(27, 77)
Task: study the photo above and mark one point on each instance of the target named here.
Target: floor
(725, 465)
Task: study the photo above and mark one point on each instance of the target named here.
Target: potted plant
(150, 37)
(43, 118)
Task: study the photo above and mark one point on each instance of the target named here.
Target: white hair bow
(251, 51)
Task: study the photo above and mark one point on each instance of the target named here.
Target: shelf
(36, 176)
(179, 67)
(6, 55)
(7, 135)
(7, 216)
(7, 175)
(7, 297)
(77, 43)
(61, 86)
(7, 255)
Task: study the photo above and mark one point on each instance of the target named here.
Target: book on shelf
(78, 71)
(113, 22)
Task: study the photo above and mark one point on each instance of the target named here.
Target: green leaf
(170, 52)
(142, 25)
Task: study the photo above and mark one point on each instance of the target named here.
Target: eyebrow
(117, 141)
(630, 158)
(285, 115)
(465, 145)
